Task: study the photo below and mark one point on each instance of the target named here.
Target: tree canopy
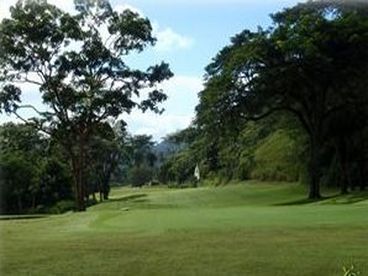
(77, 62)
(312, 62)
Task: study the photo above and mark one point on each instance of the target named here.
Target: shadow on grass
(129, 198)
(351, 198)
(15, 217)
(139, 201)
(305, 201)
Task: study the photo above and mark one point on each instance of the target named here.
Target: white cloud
(182, 82)
(4, 8)
(183, 97)
(217, 2)
(157, 125)
(168, 39)
(65, 5)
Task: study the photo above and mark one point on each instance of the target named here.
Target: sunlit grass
(245, 229)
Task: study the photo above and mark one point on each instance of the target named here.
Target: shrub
(138, 176)
(62, 207)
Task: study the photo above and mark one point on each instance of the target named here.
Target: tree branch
(39, 127)
(299, 115)
(35, 109)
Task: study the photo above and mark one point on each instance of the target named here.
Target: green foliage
(277, 158)
(178, 168)
(83, 86)
(138, 160)
(139, 176)
(312, 64)
(18, 179)
(33, 173)
(61, 207)
(270, 149)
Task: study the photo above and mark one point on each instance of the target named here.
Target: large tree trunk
(34, 201)
(363, 175)
(341, 152)
(106, 184)
(342, 157)
(314, 168)
(78, 169)
(19, 203)
(100, 188)
(78, 186)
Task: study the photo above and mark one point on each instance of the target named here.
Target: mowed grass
(245, 229)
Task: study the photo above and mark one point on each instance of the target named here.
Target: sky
(189, 34)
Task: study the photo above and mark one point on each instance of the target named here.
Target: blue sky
(189, 33)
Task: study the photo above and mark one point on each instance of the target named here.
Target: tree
(77, 61)
(311, 63)
(21, 153)
(142, 157)
(141, 147)
(104, 155)
(34, 174)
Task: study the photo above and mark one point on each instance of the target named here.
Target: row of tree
(36, 176)
(306, 74)
(35, 172)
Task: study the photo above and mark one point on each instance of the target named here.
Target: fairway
(244, 229)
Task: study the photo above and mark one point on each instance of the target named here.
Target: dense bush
(139, 176)
(62, 207)
(34, 175)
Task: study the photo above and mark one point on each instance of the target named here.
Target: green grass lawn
(244, 229)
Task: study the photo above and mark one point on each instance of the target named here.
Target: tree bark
(314, 168)
(20, 205)
(363, 175)
(34, 201)
(82, 184)
(101, 195)
(79, 179)
(342, 157)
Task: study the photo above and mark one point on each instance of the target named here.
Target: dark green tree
(142, 159)
(311, 63)
(105, 153)
(81, 74)
(34, 174)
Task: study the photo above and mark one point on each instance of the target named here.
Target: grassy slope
(235, 230)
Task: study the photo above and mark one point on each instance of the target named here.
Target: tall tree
(312, 63)
(77, 61)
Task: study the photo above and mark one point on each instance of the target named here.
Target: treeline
(289, 102)
(36, 174)
(265, 150)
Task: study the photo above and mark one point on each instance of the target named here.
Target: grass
(245, 229)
